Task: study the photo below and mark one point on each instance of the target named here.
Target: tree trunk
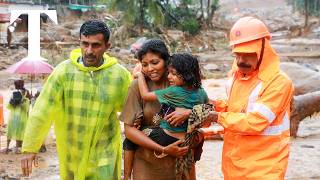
(208, 12)
(306, 19)
(303, 106)
(167, 12)
(142, 6)
(201, 7)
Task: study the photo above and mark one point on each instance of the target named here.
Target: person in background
(10, 29)
(18, 106)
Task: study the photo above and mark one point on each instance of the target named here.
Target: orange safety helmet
(248, 29)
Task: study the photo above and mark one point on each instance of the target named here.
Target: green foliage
(191, 26)
(215, 6)
(182, 14)
(174, 46)
(154, 12)
(313, 6)
(112, 23)
(187, 19)
(168, 21)
(129, 8)
(137, 11)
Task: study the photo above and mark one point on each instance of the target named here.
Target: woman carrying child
(185, 91)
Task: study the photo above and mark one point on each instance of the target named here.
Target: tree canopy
(187, 15)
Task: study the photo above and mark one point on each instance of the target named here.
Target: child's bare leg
(193, 172)
(128, 164)
(43, 148)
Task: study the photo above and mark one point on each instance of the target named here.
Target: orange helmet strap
(261, 53)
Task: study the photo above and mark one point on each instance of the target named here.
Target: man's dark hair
(19, 84)
(93, 27)
(187, 66)
(155, 46)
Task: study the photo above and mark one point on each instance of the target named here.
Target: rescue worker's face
(247, 62)
(93, 48)
(153, 66)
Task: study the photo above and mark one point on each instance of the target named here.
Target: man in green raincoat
(81, 98)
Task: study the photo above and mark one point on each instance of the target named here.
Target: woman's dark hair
(93, 27)
(155, 46)
(187, 66)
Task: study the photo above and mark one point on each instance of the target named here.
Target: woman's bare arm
(144, 90)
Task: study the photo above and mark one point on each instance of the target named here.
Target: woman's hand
(174, 149)
(137, 74)
(137, 69)
(137, 124)
(178, 116)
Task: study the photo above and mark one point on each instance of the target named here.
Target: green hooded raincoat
(18, 119)
(82, 103)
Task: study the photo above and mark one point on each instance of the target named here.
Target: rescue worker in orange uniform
(256, 114)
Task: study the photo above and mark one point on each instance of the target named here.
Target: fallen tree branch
(304, 105)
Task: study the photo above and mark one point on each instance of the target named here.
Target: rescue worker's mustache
(243, 65)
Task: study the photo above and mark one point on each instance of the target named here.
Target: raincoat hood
(270, 63)
(76, 53)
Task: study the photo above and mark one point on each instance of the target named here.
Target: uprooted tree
(303, 106)
(307, 93)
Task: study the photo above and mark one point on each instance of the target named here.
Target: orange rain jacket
(256, 119)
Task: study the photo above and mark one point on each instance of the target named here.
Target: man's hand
(26, 163)
(174, 149)
(178, 116)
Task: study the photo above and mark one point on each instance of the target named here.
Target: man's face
(247, 62)
(93, 48)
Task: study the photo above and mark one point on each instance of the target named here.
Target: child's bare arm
(144, 90)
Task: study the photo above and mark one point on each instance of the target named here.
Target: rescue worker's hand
(174, 149)
(27, 161)
(213, 116)
(178, 116)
